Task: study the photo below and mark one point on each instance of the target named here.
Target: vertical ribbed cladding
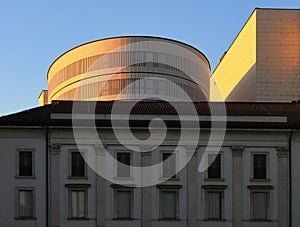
(130, 68)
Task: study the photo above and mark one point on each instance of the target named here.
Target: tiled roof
(41, 116)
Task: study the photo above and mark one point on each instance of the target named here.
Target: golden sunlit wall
(43, 98)
(263, 63)
(239, 61)
(100, 70)
(278, 55)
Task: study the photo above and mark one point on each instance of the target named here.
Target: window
(25, 206)
(78, 166)
(214, 205)
(260, 202)
(214, 170)
(123, 202)
(25, 163)
(168, 165)
(78, 209)
(124, 163)
(260, 205)
(169, 200)
(169, 197)
(214, 202)
(78, 200)
(259, 166)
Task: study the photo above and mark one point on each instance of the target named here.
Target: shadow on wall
(245, 90)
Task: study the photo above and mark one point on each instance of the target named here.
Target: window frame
(169, 188)
(120, 188)
(267, 179)
(207, 178)
(78, 187)
(18, 163)
(175, 177)
(262, 189)
(70, 164)
(117, 162)
(211, 189)
(18, 190)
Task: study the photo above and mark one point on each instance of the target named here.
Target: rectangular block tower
(263, 62)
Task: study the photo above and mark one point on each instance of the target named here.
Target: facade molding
(282, 152)
(146, 148)
(55, 149)
(237, 151)
(100, 149)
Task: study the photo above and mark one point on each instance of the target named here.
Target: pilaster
(237, 175)
(100, 151)
(192, 172)
(146, 156)
(54, 150)
(283, 207)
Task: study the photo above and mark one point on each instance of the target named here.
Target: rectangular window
(25, 203)
(123, 204)
(25, 163)
(169, 204)
(169, 201)
(168, 165)
(78, 203)
(124, 163)
(214, 202)
(214, 170)
(259, 166)
(77, 164)
(214, 205)
(260, 202)
(260, 205)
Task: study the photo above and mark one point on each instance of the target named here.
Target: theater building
(56, 159)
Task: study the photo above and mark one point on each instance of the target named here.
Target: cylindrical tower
(130, 68)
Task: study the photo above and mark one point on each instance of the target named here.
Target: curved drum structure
(130, 68)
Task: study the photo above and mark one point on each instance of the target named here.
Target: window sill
(214, 187)
(123, 178)
(169, 219)
(78, 186)
(214, 219)
(25, 219)
(78, 219)
(123, 219)
(78, 178)
(25, 177)
(261, 220)
(259, 180)
(214, 179)
(169, 179)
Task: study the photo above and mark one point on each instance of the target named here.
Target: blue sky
(35, 33)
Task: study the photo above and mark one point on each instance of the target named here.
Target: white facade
(13, 141)
(192, 187)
